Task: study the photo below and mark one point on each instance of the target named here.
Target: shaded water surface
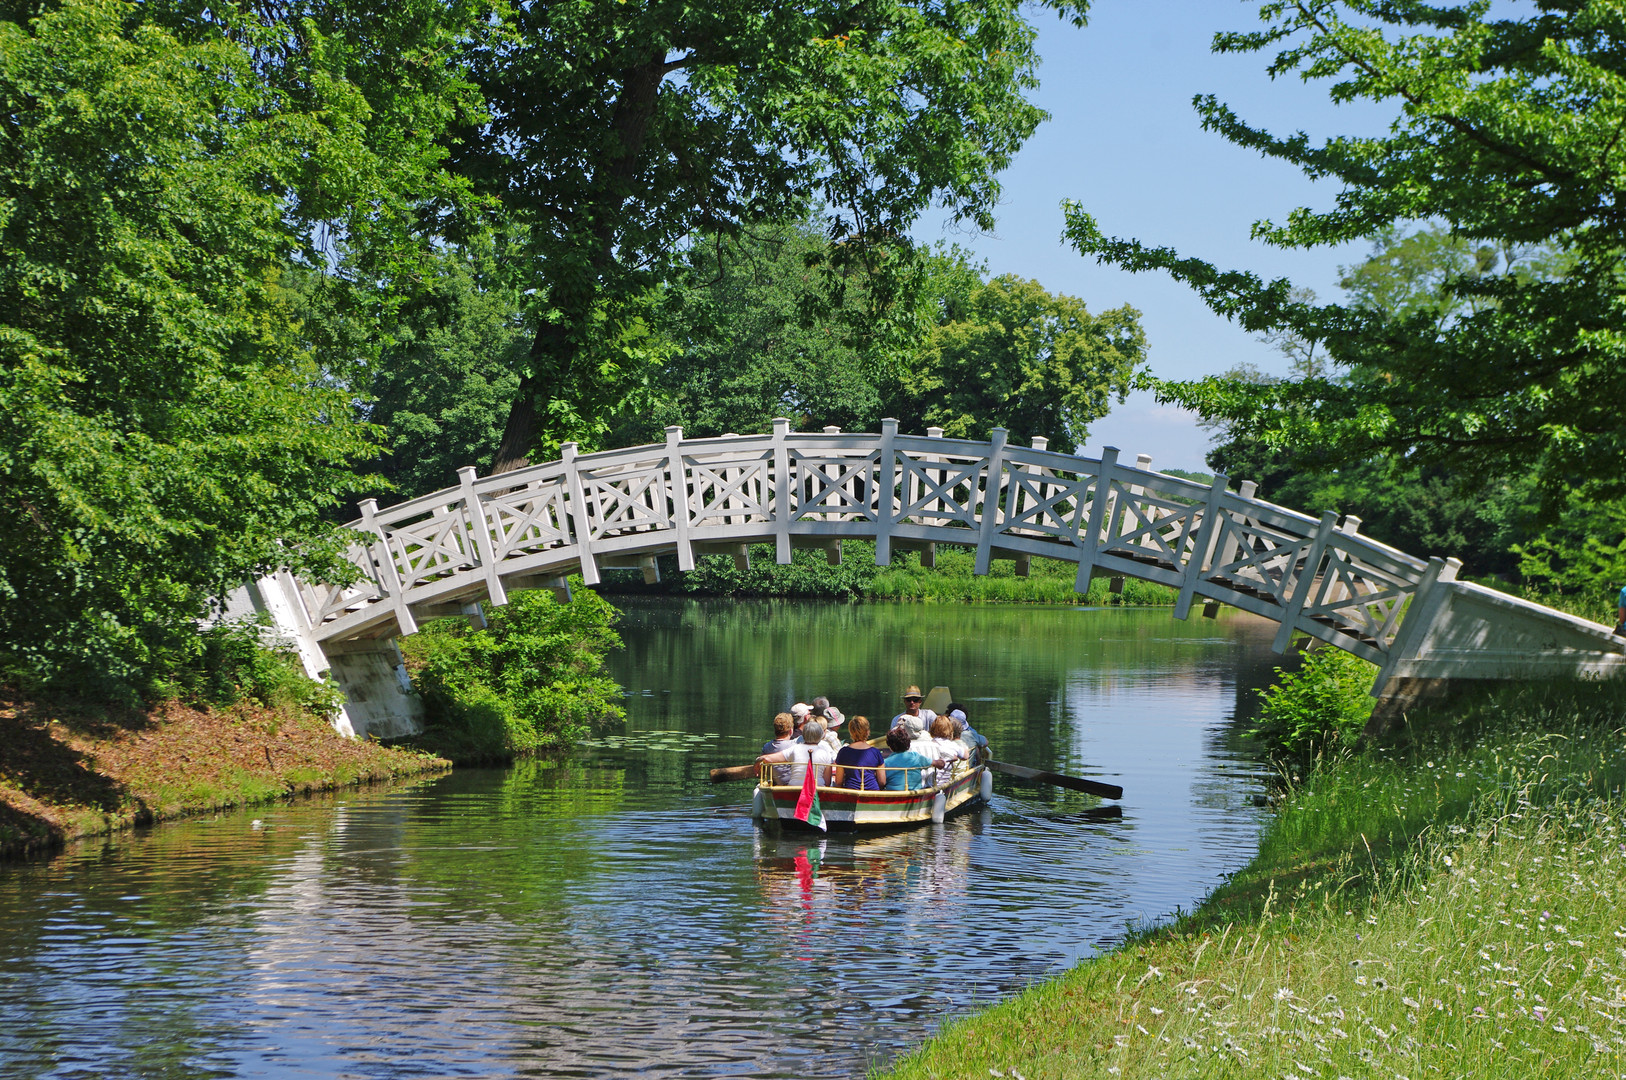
(615, 914)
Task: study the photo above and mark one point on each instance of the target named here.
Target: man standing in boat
(912, 710)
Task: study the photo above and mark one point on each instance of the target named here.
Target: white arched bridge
(449, 552)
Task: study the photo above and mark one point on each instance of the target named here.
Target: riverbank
(1453, 904)
(70, 770)
(810, 576)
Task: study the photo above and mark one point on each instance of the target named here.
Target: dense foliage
(1508, 135)
(763, 334)
(166, 433)
(1320, 707)
(533, 678)
(618, 130)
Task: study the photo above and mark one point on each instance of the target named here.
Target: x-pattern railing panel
(1359, 596)
(335, 601)
(529, 519)
(1044, 504)
(624, 499)
(940, 490)
(729, 490)
(1261, 558)
(432, 547)
(834, 488)
(1149, 526)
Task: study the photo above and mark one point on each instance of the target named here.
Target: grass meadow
(1453, 905)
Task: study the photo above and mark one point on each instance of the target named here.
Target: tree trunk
(554, 351)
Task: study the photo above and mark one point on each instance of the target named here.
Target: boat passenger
(859, 765)
(971, 737)
(832, 720)
(784, 728)
(905, 769)
(799, 713)
(911, 708)
(951, 749)
(811, 750)
(821, 706)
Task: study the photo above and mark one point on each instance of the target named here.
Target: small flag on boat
(807, 807)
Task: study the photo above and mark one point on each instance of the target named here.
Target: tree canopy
(168, 431)
(1508, 134)
(617, 130)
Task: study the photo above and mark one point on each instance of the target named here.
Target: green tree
(444, 377)
(1006, 353)
(167, 433)
(758, 336)
(618, 130)
(1508, 134)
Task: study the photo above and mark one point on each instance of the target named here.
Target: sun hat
(912, 692)
(833, 717)
(958, 716)
(801, 709)
(915, 725)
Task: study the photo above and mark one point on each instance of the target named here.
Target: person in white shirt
(952, 752)
(811, 750)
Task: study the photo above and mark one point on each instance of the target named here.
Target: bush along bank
(809, 575)
(1451, 903)
(242, 725)
(532, 679)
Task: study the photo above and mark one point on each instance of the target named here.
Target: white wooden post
(389, 578)
(481, 526)
(581, 518)
(928, 558)
(886, 474)
(681, 498)
(1232, 547)
(782, 509)
(1425, 606)
(1093, 536)
(1202, 552)
(990, 499)
(1304, 583)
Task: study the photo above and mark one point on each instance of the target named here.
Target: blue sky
(1124, 141)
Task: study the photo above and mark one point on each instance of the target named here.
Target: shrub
(1321, 707)
(532, 679)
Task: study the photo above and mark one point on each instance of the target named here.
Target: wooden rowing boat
(850, 810)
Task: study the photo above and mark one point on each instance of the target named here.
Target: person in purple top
(858, 764)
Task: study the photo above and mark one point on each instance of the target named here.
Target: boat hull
(846, 810)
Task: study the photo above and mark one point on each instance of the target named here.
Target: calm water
(616, 914)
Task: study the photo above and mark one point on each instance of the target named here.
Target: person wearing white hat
(811, 750)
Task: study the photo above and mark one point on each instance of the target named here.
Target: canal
(615, 914)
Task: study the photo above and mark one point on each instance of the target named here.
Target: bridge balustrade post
(1233, 546)
(474, 512)
(782, 510)
(1201, 555)
(683, 501)
(389, 577)
(1098, 516)
(1305, 582)
(991, 491)
(581, 518)
(885, 503)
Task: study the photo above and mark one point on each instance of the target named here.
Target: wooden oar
(1106, 791)
(735, 772)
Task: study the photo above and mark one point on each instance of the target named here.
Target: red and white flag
(807, 806)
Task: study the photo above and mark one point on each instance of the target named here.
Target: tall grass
(1454, 906)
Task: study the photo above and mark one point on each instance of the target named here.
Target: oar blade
(1076, 783)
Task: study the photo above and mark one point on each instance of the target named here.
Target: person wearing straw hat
(912, 710)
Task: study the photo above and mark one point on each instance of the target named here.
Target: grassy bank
(1453, 905)
(70, 770)
(810, 576)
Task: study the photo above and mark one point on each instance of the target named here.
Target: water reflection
(615, 913)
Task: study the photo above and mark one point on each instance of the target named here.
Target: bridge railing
(516, 530)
